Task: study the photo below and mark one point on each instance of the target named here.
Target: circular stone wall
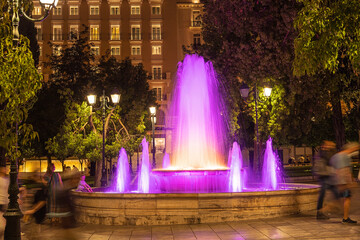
(190, 208)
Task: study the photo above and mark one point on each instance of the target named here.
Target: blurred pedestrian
(323, 171)
(38, 210)
(341, 161)
(4, 199)
(75, 169)
(55, 185)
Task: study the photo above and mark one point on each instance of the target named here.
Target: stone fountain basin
(191, 208)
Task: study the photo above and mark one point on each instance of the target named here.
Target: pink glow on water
(197, 107)
(236, 177)
(166, 161)
(271, 173)
(122, 178)
(144, 175)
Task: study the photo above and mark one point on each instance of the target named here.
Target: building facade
(151, 32)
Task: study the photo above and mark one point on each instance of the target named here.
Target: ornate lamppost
(244, 91)
(104, 100)
(153, 121)
(13, 213)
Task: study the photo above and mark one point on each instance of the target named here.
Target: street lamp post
(244, 91)
(153, 121)
(13, 213)
(104, 100)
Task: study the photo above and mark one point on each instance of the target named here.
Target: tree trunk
(2, 157)
(338, 123)
(98, 168)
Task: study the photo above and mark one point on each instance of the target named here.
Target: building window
(94, 32)
(40, 51)
(157, 92)
(74, 32)
(114, 10)
(115, 32)
(115, 50)
(95, 50)
(56, 50)
(155, 32)
(156, 50)
(135, 10)
(57, 33)
(135, 32)
(196, 18)
(39, 35)
(57, 11)
(155, 10)
(156, 72)
(36, 11)
(136, 50)
(74, 10)
(94, 10)
(196, 38)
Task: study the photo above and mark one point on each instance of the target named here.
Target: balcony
(196, 23)
(56, 37)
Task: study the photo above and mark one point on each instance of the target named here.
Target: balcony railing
(115, 36)
(196, 23)
(56, 37)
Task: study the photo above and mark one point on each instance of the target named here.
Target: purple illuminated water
(122, 177)
(271, 172)
(166, 161)
(197, 161)
(236, 178)
(144, 175)
(197, 107)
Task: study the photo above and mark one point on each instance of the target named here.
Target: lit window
(115, 50)
(155, 32)
(74, 32)
(115, 32)
(57, 11)
(135, 32)
(40, 51)
(57, 33)
(94, 10)
(156, 50)
(157, 92)
(196, 18)
(95, 50)
(135, 50)
(196, 39)
(74, 10)
(135, 10)
(156, 72)
(114, 10)
(39, 35)
(56, 50)
(94, 32)
(156, 10)
(36, 11)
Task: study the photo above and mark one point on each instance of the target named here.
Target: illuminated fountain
(196, 183)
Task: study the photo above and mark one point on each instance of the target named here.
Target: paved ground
(303, 226)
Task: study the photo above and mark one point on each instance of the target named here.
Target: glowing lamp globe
(48, 4)
(91, 99)
(152, 110)
(115, 96)
(267, 91)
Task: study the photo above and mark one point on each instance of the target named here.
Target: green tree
(252, 42)
(17, 73)
(328, 43)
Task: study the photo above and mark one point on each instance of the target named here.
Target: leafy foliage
(17, 73)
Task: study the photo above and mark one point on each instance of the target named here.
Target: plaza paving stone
(304, 226)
